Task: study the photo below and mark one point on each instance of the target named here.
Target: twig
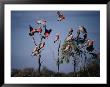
(34, 40)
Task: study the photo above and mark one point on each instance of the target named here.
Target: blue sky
(22, 44)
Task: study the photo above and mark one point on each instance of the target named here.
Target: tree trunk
(85, 63)
(39, 61)
(58, 63)
(75, 65)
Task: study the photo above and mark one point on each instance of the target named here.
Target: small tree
(38, 54)
(58, 60)
(39, 48)
(76, 48)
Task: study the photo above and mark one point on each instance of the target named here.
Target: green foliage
(65, 55)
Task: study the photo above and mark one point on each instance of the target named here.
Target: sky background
(22, 44)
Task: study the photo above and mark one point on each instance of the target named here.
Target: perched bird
(44, 22)
(33, 31)
(42, 45)
(56, 38)
(35, 51)
(78, 33)
(70, 31)
(39, 30)
(47, 32)
(36, 47)
(69, 38)
(67, 47)
(82, 30)
(90, 44)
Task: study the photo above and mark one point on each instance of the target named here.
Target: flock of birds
(44, 35)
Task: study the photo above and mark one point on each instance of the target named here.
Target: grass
(93, 70)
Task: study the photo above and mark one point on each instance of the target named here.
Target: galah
(33, 31)
(35, 51)
(47, 32)
(67, 47)
(90, 45)
(39, 30)
(82, 29)
(90, 42)
(60, 16)
(69, 38)
(70, 31)
(56, 38)
(43, 22)
(42, 45)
